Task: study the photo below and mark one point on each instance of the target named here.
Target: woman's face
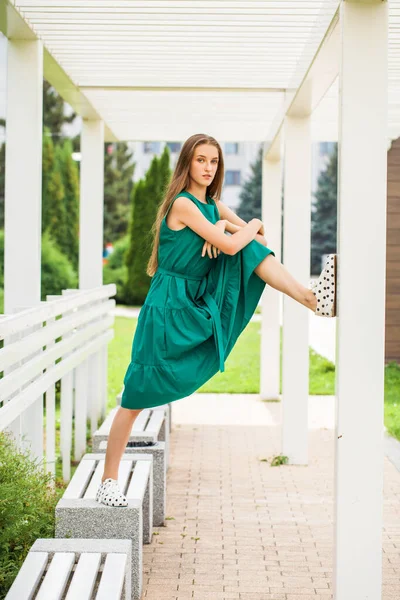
(204, 164)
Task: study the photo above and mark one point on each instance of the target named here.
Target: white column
(91, 205)
(23, 199)
(270, 327)
(296, 258)
(361, 301)
(91, 243)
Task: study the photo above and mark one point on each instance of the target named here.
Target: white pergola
(284, 73)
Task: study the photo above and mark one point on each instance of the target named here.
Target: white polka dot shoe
(324, 288)
(110, 494)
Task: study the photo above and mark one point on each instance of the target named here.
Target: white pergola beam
(317, 80)
(360, 330)
(14, 27)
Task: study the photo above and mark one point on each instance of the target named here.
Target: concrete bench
(168, 407)
(157, 451)
(79, 515)
(74, 569)
(150, 426)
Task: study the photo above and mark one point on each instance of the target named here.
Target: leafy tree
(68, 239)
(324, 214)
(118, 173)
(146, 197)
(251, 193)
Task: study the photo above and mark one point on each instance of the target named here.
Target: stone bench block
(149, 427)
(157, 451)
(79, 515)
(75, 569)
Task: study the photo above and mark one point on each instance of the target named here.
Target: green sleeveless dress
(193, 313)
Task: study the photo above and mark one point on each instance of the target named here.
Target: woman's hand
(261, 230)
(209, 248)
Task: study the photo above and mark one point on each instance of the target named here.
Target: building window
(231, 148)
(174, 146)
(232, 178)
(151, 147)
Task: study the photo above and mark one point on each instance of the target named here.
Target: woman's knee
(128, 413)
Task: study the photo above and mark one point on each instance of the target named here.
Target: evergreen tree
(2, 175)
(146, 197)
(48, 165)
(165, 173)
(251, 193)
(324, 214)
(138, 282)
(54, 216)
(53, 112)
(118, 173)
(2, 181)
(68, 240)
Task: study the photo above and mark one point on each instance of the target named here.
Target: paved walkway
(241, 529)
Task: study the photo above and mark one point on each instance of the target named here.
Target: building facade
(238, 158)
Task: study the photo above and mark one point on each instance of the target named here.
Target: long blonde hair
(180, 180)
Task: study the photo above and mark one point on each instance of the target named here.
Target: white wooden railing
(63, 339)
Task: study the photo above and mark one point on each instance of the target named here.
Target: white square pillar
(360, 331)
(23, 202)
(23, 177)
(91, 245)
(270, 326)
(91, 204)
(296, 258)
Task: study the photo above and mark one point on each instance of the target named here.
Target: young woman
(205, 287)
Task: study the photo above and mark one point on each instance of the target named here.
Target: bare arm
(226, 213)
(192, 217)
(231, 228)
(234, 222)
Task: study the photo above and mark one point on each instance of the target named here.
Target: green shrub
(57, 271)
(117, 258)
(116, 271)
(117, 276)
(27, 503)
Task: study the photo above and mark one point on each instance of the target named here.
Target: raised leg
(117, 440)
(277, 276)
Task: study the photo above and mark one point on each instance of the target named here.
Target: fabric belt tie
(213, 311)
(182, 275)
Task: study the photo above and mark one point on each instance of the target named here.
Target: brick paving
(243, 530)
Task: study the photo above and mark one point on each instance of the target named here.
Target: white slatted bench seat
(74, 569)
(157, 451)
(168, 407)
(149, 427)
(78, 514)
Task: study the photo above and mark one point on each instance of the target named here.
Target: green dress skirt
(193, 314)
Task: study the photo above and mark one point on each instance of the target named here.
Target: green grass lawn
(242, 371)
(242, 367)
